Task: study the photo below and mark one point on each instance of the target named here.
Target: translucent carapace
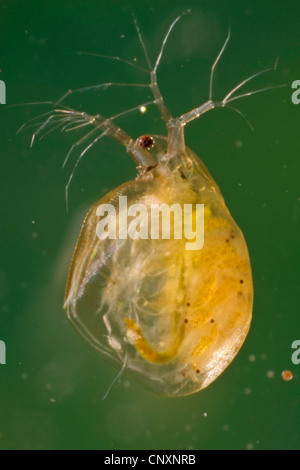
(173, 317)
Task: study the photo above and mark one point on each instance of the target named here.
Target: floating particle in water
(225, 427)
(247, 391)
(286, 375)
(270, 374)
(24, 376)
(52, 400)
(126, 383)
(252, 358)
(188, 427)
(239, 143)
(249, 446)
(205, 415)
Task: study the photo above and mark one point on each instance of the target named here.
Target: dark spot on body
(185, 320)
(150, 168)
(241, 281)
(198, 371)
(188, 304)
(239, 293)
(212, 320)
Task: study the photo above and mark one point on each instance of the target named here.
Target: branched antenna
(104, 56)
(164, 42)
(142, 42)
(68, 119)
(215, 64)
(211, 104)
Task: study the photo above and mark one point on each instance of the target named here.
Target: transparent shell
(175, 318)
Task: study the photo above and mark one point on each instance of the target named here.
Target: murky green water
(52, 386)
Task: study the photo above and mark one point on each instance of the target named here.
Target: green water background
(52, 386)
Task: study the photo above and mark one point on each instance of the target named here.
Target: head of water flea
(146, 151)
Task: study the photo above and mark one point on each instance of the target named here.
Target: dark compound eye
(146, 141)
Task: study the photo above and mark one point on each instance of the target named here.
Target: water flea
(138, 320)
